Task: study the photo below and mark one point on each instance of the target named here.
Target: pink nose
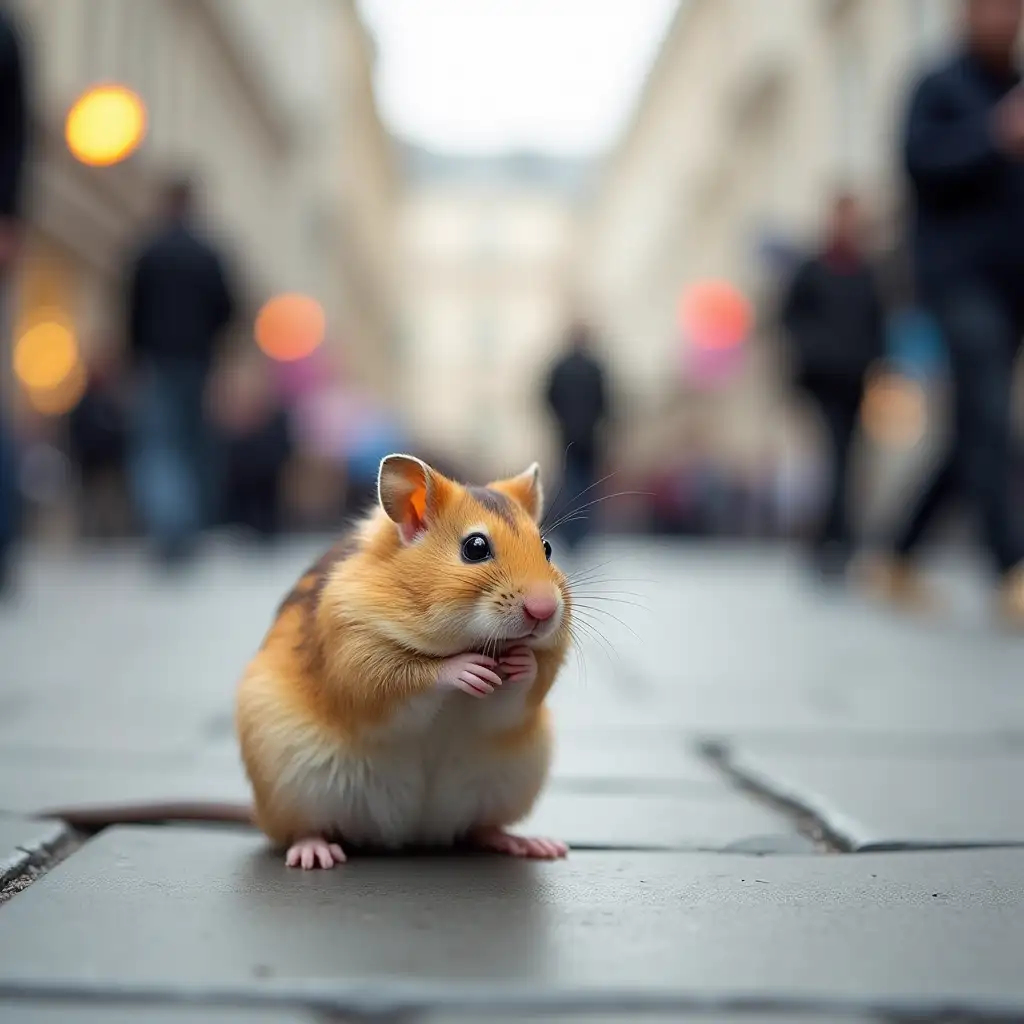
(540, 606)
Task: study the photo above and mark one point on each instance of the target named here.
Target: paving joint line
(829, 839)
(42, 860)
(807, 823)
(400, 1001)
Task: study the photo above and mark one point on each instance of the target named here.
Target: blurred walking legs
(982, 341)
(171, 457)
(832, 545)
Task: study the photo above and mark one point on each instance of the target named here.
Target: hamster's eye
(476, 548)
(547, 550)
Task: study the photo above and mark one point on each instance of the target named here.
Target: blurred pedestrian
(14, 130)
(963, 150)
(97, 441)
(255, 427)
(834, 316)
(179, 303)
(576, 394)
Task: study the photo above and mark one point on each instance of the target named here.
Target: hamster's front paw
(519, 665)
(471, 673)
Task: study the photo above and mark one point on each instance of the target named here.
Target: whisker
(597, 501)
(561, 486)
(615, 618)
(595, 634)
(611, 600)
(604, 479)
(581, 663)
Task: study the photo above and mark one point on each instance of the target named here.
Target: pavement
(783, 804)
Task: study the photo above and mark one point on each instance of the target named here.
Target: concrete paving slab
(711, 816)
(715, 820)
(191, 909)
(77, 782)
(909, 799)
(32, 1012)
(57, 1013)
(24, 842)
(620, 759)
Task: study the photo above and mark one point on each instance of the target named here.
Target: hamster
(399, 696)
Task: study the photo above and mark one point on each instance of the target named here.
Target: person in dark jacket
(834, 316)
(14, 137)
(179, 303)
(963, 151)
(576, 394)
(97, 446)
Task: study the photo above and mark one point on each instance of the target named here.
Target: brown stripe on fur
(307, 591)
(495, 503)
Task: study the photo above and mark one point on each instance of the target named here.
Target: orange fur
(340, 707)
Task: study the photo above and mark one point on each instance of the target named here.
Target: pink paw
(497, 840)
(471, 673)
(519, 665)
(314, 853)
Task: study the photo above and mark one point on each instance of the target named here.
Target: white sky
(477, 77)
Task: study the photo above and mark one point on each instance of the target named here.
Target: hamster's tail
(94, 818)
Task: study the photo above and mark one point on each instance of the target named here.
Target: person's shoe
(897, 582)
(1011, 599)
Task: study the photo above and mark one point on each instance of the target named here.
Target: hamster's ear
(410, 492)
(526, 489)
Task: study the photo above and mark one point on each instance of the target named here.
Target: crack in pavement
(717, 754)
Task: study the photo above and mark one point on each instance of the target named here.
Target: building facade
(270, 106)
(752, 115)
(488, 251)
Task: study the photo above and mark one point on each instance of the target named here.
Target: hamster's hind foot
(497, 840)
(314, 853)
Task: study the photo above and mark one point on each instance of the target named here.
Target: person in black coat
(179, 302)
(14, 138)
(576, 395)
(833, 314)
(963, 151)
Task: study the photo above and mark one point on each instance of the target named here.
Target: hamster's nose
(540, 606)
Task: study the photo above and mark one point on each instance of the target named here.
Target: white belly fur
(433, 774)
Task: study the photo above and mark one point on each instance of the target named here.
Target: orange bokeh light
(715, 315)
(44, 355)
(290, 327)
(105, 125)
(57, 401)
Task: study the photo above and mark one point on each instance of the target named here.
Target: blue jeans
(171, 457)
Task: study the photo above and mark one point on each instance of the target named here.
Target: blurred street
(712, 665)
(744, 280)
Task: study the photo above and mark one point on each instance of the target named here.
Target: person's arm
(945, 146)
(878, 317)
(797, 301)
(551, 396)
(14, 130)
(601, 396)
(133, 304)
(223, 295)
(13, 119)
